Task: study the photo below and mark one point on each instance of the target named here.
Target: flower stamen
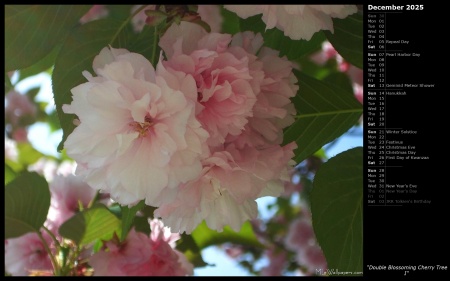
(142, 127)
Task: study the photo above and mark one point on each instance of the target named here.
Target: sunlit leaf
(128, 215)
(28, 154)
(16, 167)
(336, 207)
(324, 112)
(27, 200)
(32, 31)
(91, 224)
(10, 174)
(204, 236)
(321, 154)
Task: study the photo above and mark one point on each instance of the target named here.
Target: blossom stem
(55, 264)
(153, 59)
(52, 236)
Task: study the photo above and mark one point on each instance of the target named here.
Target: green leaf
(119, 12)
(32, 93)
(230, 23)
(148, 211)
(43, 65)
(128, 215)
(275, 39)
(27, 200)
(28, 154)
(324, 112)
(348, 38)
(91, 224)
(10, 174)
(336, 207)
(116, 209)
(204, 236)
(341, 80)
(321, 154)
(315, 70)
(146, 44)
(254, 23)
(15, 166)
(77, 55)
(141, 225)
(53, 121)
(32, 31)
(292, 49)
(189, 248)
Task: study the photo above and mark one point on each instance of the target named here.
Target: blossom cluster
(199, 136)
(27, 254)
(138, 255)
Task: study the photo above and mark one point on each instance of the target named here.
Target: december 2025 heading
(395, 7)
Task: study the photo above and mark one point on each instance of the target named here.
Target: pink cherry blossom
(273, 110)
(225, 85)
(140, 255)
(296, 21)
(20, 110)
(138, 133)
(211, 15)
(67, 192)
(27, 253)
(278, 261)
(312, 258)
(243, 101)
(326, 53)
(225, 192)
(234, 251)
(359, 92)
(49, 168)
(46, 167)
(300, 235)
(356, 74)
(20, 135)
(292, 185)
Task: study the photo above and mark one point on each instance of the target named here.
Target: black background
(414, 234)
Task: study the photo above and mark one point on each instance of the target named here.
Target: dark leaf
(32, 31)
(336, 207)
(27, 200)
(324, 112)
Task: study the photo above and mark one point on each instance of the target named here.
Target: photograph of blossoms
(181, 129)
